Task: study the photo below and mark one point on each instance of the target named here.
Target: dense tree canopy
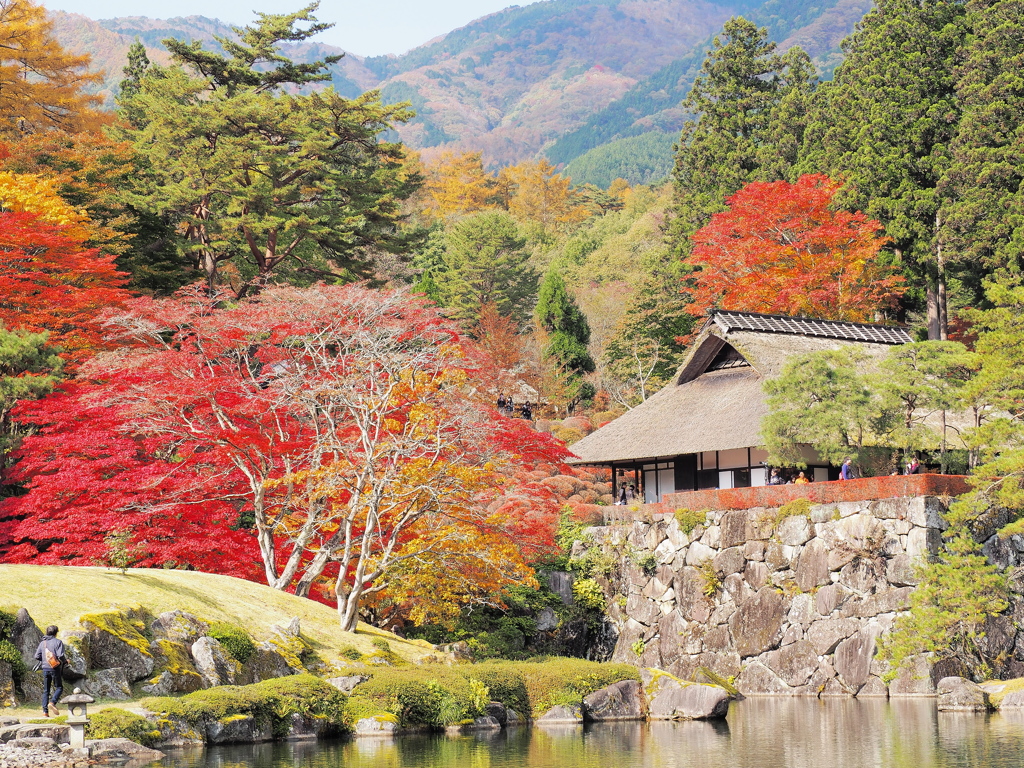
(40, 83)
(782, 248)
(265, 180)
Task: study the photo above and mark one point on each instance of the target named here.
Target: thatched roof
(715, 401)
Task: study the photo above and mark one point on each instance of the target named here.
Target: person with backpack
(50, 655)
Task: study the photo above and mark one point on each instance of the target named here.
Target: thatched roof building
(702, 429)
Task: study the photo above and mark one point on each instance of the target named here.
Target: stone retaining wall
(800, 600)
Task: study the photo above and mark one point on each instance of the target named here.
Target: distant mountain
(560, 77)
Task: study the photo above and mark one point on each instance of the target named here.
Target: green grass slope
(60, 594)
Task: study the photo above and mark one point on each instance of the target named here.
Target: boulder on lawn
(214, 663)
(116, 641)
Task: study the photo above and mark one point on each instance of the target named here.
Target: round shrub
(236, 641)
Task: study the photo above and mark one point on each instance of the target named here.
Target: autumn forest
(245, 329)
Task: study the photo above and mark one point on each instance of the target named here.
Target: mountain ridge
(556, 78)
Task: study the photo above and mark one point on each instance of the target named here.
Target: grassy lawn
(60, 594)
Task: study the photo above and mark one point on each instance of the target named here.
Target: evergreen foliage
(983, 196)
(643, 159)
(733, 99)
(29, 369)
(260, 179)
(569, 333)
(884, 125)
(485, 262)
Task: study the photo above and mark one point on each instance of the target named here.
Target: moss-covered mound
(271, 702)
(436, 695)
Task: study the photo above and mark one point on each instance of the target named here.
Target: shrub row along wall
(787, 601)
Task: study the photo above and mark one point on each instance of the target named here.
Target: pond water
(758, 733)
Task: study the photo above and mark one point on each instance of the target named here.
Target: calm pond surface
(759, 733)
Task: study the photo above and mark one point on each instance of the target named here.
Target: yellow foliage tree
(40, 83)
(536, 192)
(457, 185)
(86, 170)
(30, 193)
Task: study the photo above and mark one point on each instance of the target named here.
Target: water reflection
(759, 733)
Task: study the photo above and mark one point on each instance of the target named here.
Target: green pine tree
(486, 262)
(732, 134)
(568, 336)
(983, 207)
(884, 125)
(29, 369)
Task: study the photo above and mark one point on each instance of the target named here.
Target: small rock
(959, 695)
(121, 749)
(375, 726)
(36, 744)
(498, 711)
(675, 700)
(347, 684)
(237, 729)
(569, 713)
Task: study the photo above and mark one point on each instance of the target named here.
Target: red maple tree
(782, 249)
(305, 437)
(50, 282)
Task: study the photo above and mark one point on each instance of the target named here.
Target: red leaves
(781, 249)
(48, 282)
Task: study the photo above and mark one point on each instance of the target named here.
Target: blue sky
(366, 28)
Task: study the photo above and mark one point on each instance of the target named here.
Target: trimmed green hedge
(272, 701)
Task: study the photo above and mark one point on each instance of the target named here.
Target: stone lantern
(77, 719)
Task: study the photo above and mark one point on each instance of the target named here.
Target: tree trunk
(932, 297)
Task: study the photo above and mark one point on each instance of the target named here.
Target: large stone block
(923, 542)
(795, 530)
(756, 574)
(698, 553)
(853, 657)
(690, 598)
(757, 680)
(567, 714)
(108, 684)
(959, 695)
(619, 701)
(826, 634)
(115, 641)
(25, 636)
(794, 664)
(238, 729)
(812, 566)
(914, 678)
(900, 571)
(671, 699)
(733, 528)
(729, 561)
(756, 626)
(862, 575)
(175, 668)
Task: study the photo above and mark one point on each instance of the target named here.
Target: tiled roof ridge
(729, 320)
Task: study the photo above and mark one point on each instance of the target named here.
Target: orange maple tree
(50, 282)
(781, 249)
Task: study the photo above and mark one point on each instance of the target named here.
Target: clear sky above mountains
(364, 28)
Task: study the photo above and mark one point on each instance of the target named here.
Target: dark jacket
(56, 646)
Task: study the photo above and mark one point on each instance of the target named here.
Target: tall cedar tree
(270, 181)
(983, 194)
(29, 369)
(568, 335)
(884, 127)
(485, 262)
(733, 137)
(338, 422)
(41, 84)
(781, 248)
